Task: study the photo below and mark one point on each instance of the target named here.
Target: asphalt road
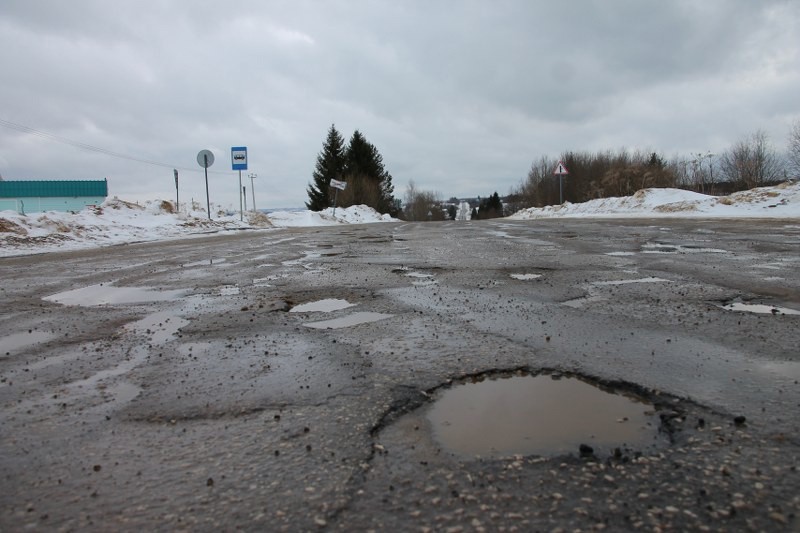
(211, 405)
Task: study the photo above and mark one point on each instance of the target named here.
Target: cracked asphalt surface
(216, 408)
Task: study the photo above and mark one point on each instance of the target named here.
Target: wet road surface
(171, 386)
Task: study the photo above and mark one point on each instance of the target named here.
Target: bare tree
(794, 148)
(751, 162)
(422, 205)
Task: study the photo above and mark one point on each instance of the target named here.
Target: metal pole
(560, 189)
(241, 207)
(177, 192)
(253, 190)
(335, 196)
(244, 192)
(208, 200)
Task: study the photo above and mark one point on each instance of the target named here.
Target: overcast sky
(459, 96)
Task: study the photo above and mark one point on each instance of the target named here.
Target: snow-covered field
(117, 221)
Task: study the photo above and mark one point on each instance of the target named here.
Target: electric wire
(83, 146)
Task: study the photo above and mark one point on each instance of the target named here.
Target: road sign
(336, 184)
(561, 170)
(239, 157)
(206, 161)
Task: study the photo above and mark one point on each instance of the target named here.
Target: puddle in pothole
(229, 290)
(354, 319)
(159, 328)
(526, 277)
(658, 248)
(760, 309)
(539, 415)
(103, 294)
(322, 306)
(206, 262)
(629, 281)
(24, 339)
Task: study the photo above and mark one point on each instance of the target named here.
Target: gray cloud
(458, 96)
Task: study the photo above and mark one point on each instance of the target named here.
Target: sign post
(205, 158)
(239, 162)
(560, 171)
(338, 185)
(177, 193)
(253, 176)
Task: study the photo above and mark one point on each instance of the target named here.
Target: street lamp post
(253, 176)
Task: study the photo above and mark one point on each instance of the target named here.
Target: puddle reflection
(108, 295)
(537, 415)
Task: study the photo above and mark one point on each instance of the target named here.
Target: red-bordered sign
(560, 170)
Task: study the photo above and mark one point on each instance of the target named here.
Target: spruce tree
(370, 182)
(330, 165)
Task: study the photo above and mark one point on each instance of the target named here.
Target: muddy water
(538, 415)
(761, 309)
(322, 306)
(354, 319)
(23, 340)
(109, 295)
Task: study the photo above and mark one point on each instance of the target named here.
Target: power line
(83, 146)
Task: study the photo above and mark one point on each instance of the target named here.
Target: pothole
(159, 327)
(206, 262)
(629, 281)
(526, 277)
(760, 309)
(322, 306)
(23, 340)
(545, 415)
(354, 319)
(103, 294)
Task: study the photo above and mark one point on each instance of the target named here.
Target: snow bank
(357, 214)
(782, 201)
(117, 222)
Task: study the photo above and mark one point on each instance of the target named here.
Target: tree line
(750, 162)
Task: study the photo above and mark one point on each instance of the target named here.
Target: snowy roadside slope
(357, 214)
(782, 201)
(118, 222)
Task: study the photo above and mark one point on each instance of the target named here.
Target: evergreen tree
(367, 179)
(330, 165)
(491, 207)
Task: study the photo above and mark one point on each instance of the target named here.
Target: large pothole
(548, 414)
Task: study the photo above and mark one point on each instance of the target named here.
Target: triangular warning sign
(560, 169)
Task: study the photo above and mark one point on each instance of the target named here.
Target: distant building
(32, 196)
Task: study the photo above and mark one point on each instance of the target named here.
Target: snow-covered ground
(117, 221)
(782, 201)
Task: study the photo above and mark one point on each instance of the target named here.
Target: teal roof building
(34, 196)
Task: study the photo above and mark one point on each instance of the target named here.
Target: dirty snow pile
(118, 222)
(781, 201)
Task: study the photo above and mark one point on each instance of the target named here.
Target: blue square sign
(239, 157)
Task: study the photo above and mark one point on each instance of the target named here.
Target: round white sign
(205, 158)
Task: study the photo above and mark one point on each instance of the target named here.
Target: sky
(458, 96)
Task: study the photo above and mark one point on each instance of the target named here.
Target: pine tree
(330, 165)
